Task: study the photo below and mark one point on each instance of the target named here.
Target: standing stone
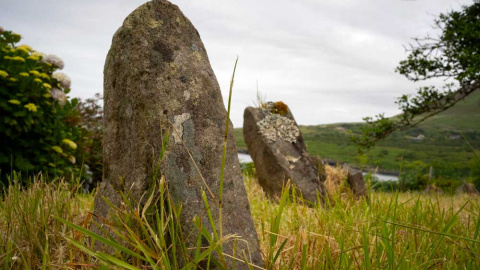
(279, 153)
(467, 188)
(432, 189)
(158, 79)
(356, 183)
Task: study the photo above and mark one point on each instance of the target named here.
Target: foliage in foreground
(30, 237)
(405, 231)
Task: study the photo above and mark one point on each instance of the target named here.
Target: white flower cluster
(59, 96)
(63, 79)
(275, 126)
(54, 60)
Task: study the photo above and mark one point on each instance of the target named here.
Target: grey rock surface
(356, 183)
(279, 153)
(158, 79)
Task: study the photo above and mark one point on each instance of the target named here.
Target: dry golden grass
(391, 231)
(396, 231)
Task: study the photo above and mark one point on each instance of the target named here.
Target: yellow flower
(3, 74)
(14, 101)
(25, 47)
(48, 86)
(34, 72)
(17, 58)
(57, 149)
(13, 79)
(21, 49)
(6, 57)
(31, 107)
(23, 74)
(72, 159)
(34, 58)
(37, 80)
(44, 75)
(47, 95)
(70, 143)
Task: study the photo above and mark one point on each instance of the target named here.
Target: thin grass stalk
(224, 154)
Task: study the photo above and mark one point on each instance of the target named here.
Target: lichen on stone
(278, 107)
(292, 159)
(178, 126)
(275, 126)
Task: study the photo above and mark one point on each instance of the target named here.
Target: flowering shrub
(39, 128)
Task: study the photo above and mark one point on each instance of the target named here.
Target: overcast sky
(329, 60)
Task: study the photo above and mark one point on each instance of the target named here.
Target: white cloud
(331, 61)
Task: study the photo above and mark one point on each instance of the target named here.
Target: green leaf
(99, 238)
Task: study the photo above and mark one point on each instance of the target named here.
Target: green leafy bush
(91, 120)
(39, 127)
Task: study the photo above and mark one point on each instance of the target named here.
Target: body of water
(245, 158)
(383, 177)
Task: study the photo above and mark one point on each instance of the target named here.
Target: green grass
(392, 231)
(30, 237)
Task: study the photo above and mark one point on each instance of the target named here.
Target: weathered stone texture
(279, 154)
(356, 183)
(158, 76)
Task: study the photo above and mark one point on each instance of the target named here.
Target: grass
(30, 237)
(392, 231)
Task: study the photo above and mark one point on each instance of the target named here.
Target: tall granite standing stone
(279, 153)
(158, 79)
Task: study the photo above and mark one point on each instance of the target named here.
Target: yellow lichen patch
(280, 108)
(198, 55)
(154, 24)
(180, 21)
(174, 68)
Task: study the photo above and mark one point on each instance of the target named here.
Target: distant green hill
(464, 116)
(437, 142)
